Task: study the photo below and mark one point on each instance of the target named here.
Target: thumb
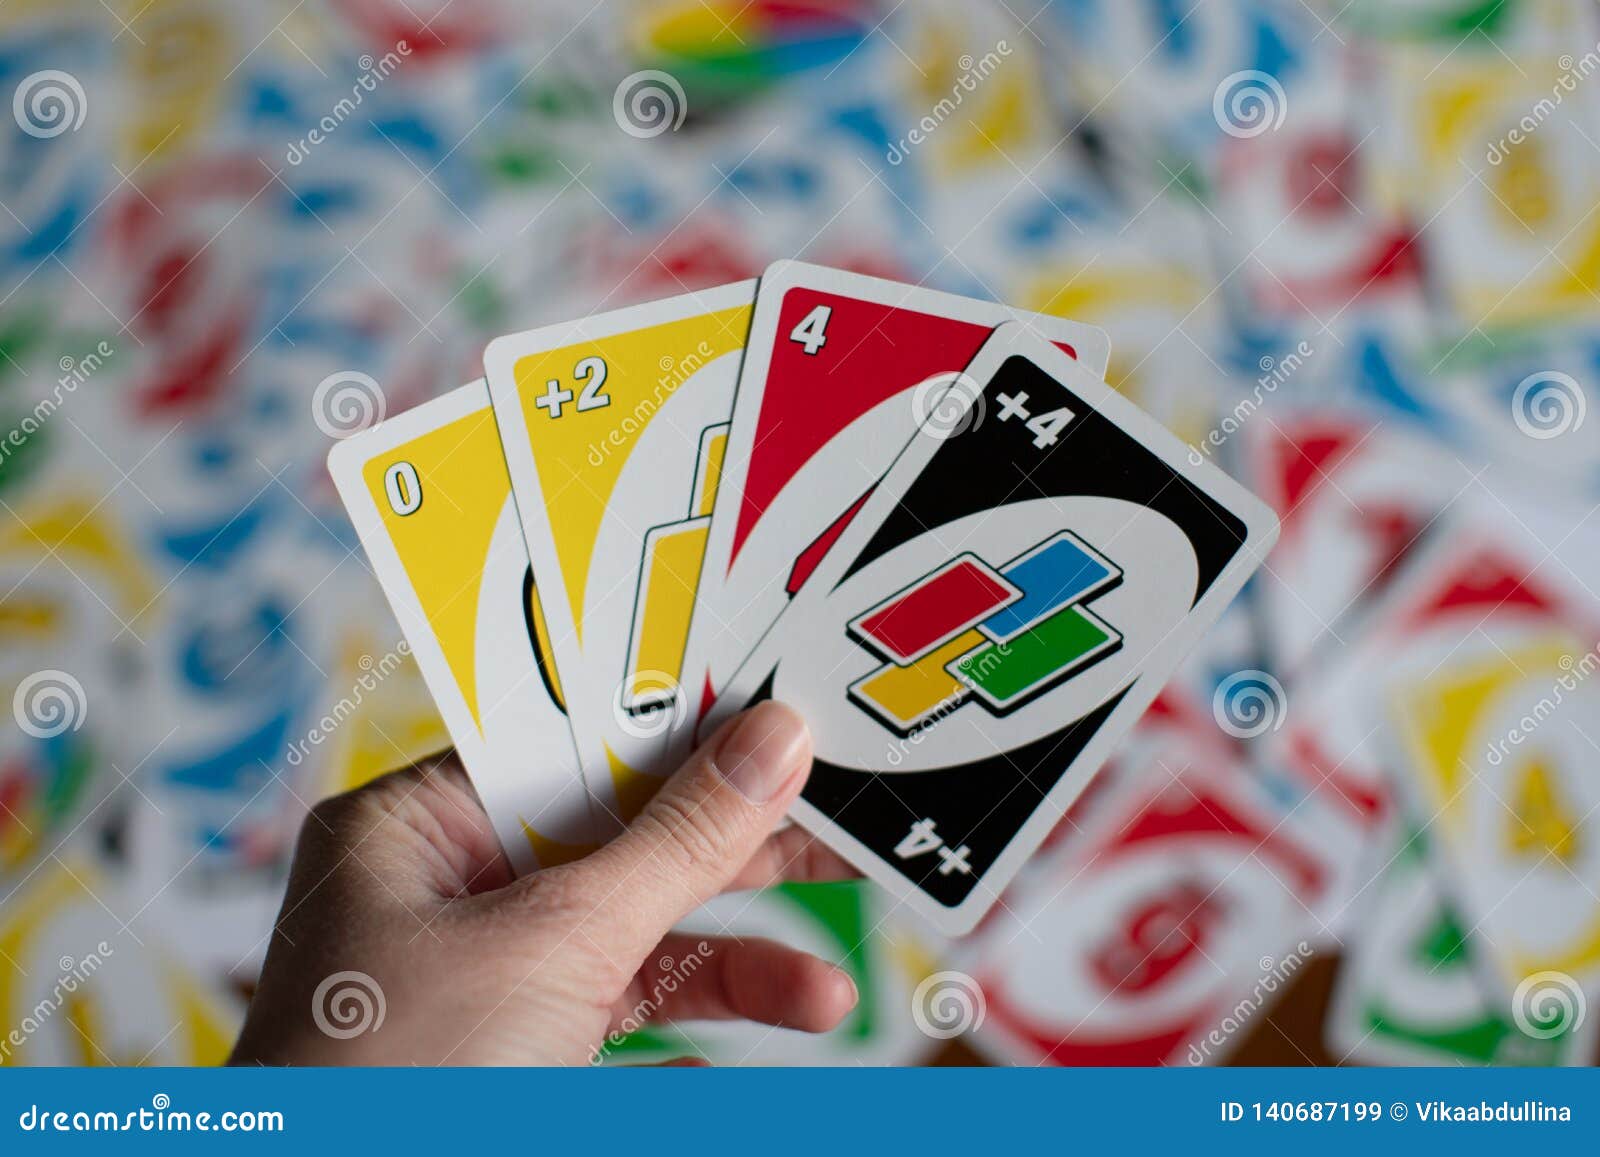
(697, 832)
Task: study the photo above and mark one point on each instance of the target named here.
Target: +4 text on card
(841, 369)
(1002, 608)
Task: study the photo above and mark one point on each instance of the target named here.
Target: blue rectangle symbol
(1059, 571)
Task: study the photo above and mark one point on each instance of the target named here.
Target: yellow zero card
(428, 493)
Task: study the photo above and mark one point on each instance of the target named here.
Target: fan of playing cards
(922, 520)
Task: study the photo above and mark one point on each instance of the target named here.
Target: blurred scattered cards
(1345, 251)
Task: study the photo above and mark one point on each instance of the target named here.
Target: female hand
(402, 886)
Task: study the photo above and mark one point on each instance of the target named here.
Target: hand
(404, 881)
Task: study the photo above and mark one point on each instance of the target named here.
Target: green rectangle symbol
(1008, 674)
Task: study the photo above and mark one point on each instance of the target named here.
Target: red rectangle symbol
(934, 609)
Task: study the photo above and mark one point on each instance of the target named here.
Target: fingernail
(855, 989)
(763, 751)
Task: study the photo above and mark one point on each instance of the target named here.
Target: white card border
(1261, 531)
(499, 360)
(502, 797)
(1092, 344)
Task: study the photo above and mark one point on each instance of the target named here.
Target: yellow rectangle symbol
(907, 696)
(668, 576)
(708, 470)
